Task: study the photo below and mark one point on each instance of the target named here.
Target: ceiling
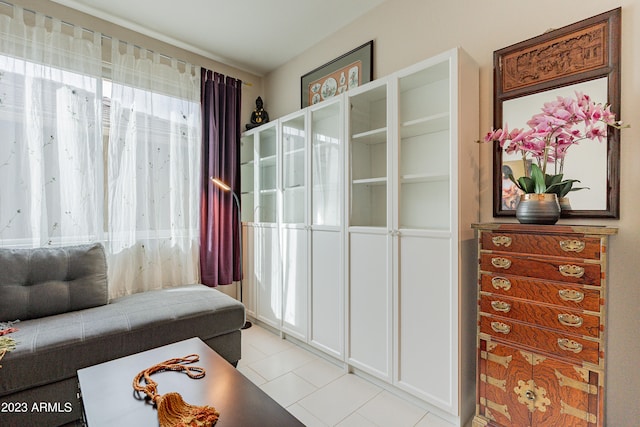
(253, 35)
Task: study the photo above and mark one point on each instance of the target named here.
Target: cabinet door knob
(501, 283)
(501, 262)
(502, 306)
(572, 245)
(530, 395)
(571, 295)
(500, 327)
(570, 320)
(571, 270)
(569, 345)
(501, 241)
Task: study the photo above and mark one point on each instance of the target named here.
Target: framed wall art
(350, 70)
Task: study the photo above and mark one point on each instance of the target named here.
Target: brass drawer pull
(501, 262)
(502, 306)
(570, 320)
(570, 270)
(501, 283)
(569, 345)
(501, 241)
(500, 327)
(572, 245)
(571, 295)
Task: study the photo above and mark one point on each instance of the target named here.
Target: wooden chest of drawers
(541, 325)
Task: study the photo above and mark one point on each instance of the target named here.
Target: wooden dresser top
(529, 228)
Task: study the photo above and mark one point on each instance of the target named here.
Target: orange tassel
(173, 411)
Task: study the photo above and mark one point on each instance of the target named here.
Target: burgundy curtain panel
(220, 246)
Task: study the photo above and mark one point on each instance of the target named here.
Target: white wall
(406, 31)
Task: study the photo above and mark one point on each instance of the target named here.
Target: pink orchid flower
(561, 124)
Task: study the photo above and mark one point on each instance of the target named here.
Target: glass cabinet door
(247, 183)
(293, 170)
(326, 163)
(368, 145)
(267, 173)
(424, 149)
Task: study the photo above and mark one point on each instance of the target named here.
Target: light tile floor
(319, 393)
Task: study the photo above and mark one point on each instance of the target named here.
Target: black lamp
(225, 187)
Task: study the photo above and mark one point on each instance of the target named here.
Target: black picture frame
(341, 70)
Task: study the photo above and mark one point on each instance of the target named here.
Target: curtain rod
(105, 36)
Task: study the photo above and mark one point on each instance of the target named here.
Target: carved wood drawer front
(577, 246)
(522, 388)
(566, 295)
(562, 270)
(567, 346)
(568, 321)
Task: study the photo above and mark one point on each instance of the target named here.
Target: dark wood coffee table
(108, 397)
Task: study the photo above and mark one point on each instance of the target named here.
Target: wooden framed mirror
(583, 57)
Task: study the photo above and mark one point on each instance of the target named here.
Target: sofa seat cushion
(53, 348)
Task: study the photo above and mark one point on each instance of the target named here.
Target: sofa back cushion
(45, 281)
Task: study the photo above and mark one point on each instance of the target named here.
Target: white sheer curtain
(50, 143)
(153, 172)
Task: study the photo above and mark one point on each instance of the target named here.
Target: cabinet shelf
(268, 160)
(298, 151)
(294, 187)
(370, 181)
(375, 136)
(424, 125)
(247, 162)
(419, 178)
(268, 191)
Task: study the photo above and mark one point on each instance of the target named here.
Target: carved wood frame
(553, 60)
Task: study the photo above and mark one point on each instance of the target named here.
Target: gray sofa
(67, 323)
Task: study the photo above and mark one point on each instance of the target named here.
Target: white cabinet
(437, 201)
(327, 256)
(327, 167)
(293, 130)
(247, 193)
(370, 142)
(247, 174)
(295, 181)
(266, 275)
(295, 281)
(361, 221)
(370, 297)
(294, 234)
(267, 174)
(412, 196)
(369, 154)
(266, 264)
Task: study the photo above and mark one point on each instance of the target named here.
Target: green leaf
(563, 188)
(513, 179)
(526, 184)
(538, 179)
(552, 179)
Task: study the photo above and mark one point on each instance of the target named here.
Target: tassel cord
(176, 364)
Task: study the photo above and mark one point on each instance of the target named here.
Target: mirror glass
(586, 161)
